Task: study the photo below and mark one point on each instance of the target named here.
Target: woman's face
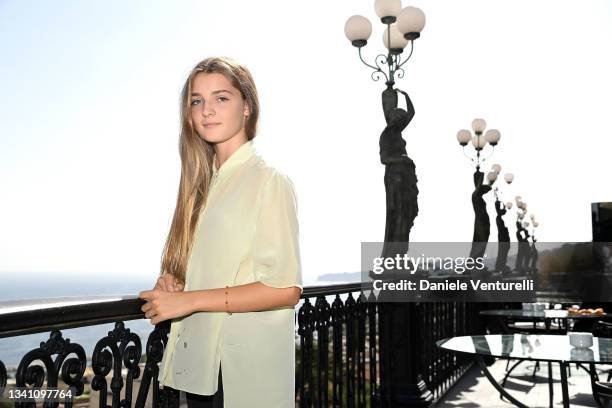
(218, 110)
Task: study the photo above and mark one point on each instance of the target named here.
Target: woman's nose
(207, 110)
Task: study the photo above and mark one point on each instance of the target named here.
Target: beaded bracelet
(226, 304)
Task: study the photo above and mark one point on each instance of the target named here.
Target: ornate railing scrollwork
(3, 377)
(121, 353)
(71, 369)
(156, 344)
(306, 324)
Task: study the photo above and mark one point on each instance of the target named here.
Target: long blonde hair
(196, 162)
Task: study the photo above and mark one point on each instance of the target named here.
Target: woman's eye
(195, 102)
(222, 99)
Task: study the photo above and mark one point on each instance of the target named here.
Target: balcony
(341, 360)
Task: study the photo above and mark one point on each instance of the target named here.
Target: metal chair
(602, 391)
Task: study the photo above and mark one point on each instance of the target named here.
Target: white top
(247, 232)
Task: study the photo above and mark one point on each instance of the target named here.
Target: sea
(44, 286)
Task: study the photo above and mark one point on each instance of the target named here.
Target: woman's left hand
(162, 305)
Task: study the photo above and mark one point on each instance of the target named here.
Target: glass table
(543, 347)
(549, 314)
(546, 316)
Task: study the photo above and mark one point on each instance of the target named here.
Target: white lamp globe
(387, 8)
(509, 205)
(479, 125)
(496, 168)
(492, 176)
(410, 22)
(509, 177)
(464, 136)
(397, 39)
(536, 224)
(493, 136)
(525, 224)
(479, 142)
(358, 28)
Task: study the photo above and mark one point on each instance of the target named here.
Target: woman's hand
(168, 283)
(163, 305)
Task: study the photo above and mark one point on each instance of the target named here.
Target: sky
(89, 163)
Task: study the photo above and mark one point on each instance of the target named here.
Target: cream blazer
(247, 232)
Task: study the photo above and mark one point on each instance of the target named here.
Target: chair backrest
(602, 329)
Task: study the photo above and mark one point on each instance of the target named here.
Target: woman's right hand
(168, 283)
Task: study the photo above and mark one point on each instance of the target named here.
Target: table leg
(495, 384)
(550, 385)
(564, 389)
(508, 372)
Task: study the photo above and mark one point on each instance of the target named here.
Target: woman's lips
(212, 125)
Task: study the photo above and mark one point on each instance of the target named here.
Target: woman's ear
(246, 110)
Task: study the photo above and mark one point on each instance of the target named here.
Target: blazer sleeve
(276, 251)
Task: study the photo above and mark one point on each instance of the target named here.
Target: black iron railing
(346, 371)
(338, 353)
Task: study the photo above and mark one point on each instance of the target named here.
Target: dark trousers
(206, 401)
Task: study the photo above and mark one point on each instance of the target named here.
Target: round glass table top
(544, 347)
(545, 314)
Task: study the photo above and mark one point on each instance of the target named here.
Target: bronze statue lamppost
(403, 27)
(522, 236)
(482, 224)
(400, 349)
(533, 251)
(527, 249)
(503, 235)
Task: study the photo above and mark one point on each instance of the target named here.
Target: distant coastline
(341, 277)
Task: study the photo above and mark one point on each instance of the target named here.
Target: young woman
(233, 247)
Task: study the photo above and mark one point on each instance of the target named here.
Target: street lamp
(532, 265)
(478, 140)
(401, 384)
(508, 178)
(535, 225)
(403, 27)
(522, 236)
(503, 235)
